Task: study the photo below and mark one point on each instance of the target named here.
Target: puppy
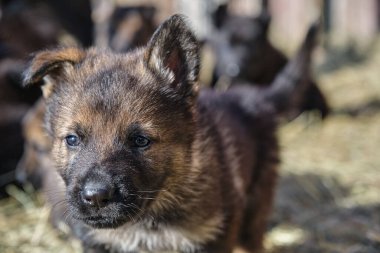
(150, 162)
(244, 54)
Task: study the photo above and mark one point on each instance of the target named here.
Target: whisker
(141, 211)
(57, 204)
(134, 206)
(130, 216)
(53, 191)
(67, 214)
(139, 216)
(148, 191)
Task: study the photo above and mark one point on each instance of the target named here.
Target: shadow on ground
(314, 214)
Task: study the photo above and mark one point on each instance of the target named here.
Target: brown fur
(204, 182)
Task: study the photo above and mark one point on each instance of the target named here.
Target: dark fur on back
(174, 168)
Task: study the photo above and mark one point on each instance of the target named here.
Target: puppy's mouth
(104, 221)
(101, 211)
(102, 205)
(111, 216)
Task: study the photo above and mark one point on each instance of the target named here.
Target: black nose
(97, 194)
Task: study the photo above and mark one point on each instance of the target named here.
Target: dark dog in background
(35, 162)
(131, 27)
(244, 54)
(152, 163)
(36, 166)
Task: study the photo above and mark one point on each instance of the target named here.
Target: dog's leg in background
(259, 201)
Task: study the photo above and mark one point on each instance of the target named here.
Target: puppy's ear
(173, 53)
(264, 19)
(47, 67)
(288, 90)
(220, 16)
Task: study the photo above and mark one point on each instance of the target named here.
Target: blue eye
(141, 141)
(72, 140)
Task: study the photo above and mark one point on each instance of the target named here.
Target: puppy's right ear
(48, 67)
(264, 20)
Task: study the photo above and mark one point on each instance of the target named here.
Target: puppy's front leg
(228, 240)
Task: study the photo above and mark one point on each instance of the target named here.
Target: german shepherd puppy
(150, 162)
(244, 53)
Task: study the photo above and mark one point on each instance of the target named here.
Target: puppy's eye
(72, 140)
(141, 141)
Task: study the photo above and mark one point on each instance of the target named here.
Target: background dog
(245, 54)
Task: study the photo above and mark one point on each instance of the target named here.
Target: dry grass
(25, 227)
(328, 199)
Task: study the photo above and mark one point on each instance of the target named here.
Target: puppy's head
(122, 125)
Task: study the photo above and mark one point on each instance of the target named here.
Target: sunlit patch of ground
(328, 197)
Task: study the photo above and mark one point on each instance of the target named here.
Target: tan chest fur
(140, 238)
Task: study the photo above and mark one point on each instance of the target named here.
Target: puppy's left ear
(51, 65)
(173, 53)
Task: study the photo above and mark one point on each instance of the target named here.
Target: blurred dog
(152, 163)
(244, 54)
(35, 162)
(131, 27)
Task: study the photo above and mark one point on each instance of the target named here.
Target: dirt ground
(328, 196)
